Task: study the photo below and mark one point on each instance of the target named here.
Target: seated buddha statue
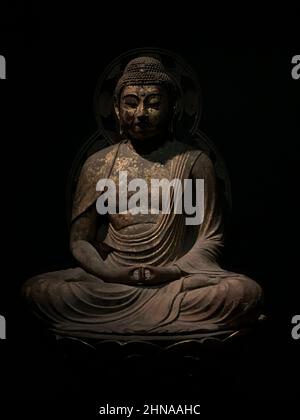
(142, 270)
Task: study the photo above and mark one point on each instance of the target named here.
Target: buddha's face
(144, 110)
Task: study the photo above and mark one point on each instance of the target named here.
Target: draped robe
(206, 299)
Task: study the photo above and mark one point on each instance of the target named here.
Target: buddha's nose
(141, 113)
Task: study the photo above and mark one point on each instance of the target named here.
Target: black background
(251, 112)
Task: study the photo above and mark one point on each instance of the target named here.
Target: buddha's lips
(142, 125)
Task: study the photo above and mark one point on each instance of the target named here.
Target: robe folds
(206, 299)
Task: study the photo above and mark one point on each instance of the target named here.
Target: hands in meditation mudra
(144, 272)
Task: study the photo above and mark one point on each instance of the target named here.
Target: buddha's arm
(204, 253)
(83, 233)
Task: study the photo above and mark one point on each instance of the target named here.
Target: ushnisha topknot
(144, 71)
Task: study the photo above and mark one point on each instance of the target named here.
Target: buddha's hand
(123, 275)
(151, 275)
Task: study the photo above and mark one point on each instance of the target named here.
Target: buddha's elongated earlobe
(171, 125)
(117, 113)
(117, 110)
(173, 119)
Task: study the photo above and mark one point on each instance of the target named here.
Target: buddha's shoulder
(99, 161)
(177, 148)
(101, 156)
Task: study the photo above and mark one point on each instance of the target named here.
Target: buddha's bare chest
(137, 167)
(138, 192)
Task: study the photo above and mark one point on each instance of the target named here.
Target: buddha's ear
(117, 110)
